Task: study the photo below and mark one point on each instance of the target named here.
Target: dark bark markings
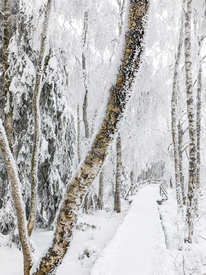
(117, 198)
(85, 77)
(174, 117)
(6, 82)
(16, 195)
(37, 121)
(95, 157)
(192, 132)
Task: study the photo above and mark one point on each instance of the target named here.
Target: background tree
(89, 168)
(117, 192)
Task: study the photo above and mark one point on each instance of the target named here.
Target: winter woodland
(102, 137)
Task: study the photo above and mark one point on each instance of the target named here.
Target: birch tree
(85, 77)
(16, 195)
(101, 190)
(117, 192)
(174, 116)
(198, 120)
(190, 215)
(89, 168)
(37, 121)
(8, 98)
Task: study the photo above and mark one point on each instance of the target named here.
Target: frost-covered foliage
(58, 133)
(57, 144)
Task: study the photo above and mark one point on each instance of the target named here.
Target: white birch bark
(6, 82)
(85, 77)
(17, 198)
(117, 197)
(174, 117)
(78, 137)
(190, 215)
(37, 121)
(198, 126)
(101, 190)
(94, 159)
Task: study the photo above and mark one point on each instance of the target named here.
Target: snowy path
(138, 247)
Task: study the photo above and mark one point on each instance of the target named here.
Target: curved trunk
(37, 121)
(95, 157)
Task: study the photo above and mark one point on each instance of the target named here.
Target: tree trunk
(101, 190)
(94, 159)
(8, 108)
(78, 136)
(37, 121)
(132, 181)
(180, 146)
(117, 194)
(174, 118)
(190, 215)
(85, 78)
(198, 126)
(86, 203)
(1, 58)
(121, 5)
(17, 198)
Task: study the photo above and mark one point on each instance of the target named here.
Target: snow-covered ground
(92, 233)
(143, 240)
(188, 259)
(138, 247)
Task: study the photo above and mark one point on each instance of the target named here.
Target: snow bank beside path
(138, 247)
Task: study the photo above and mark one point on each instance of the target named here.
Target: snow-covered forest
(102, 137)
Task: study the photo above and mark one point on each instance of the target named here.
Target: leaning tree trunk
(37, 121)
(17, 198)
(174, 118)
(117, 193)
(190, 212)
(8, 108)
(94, 159)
